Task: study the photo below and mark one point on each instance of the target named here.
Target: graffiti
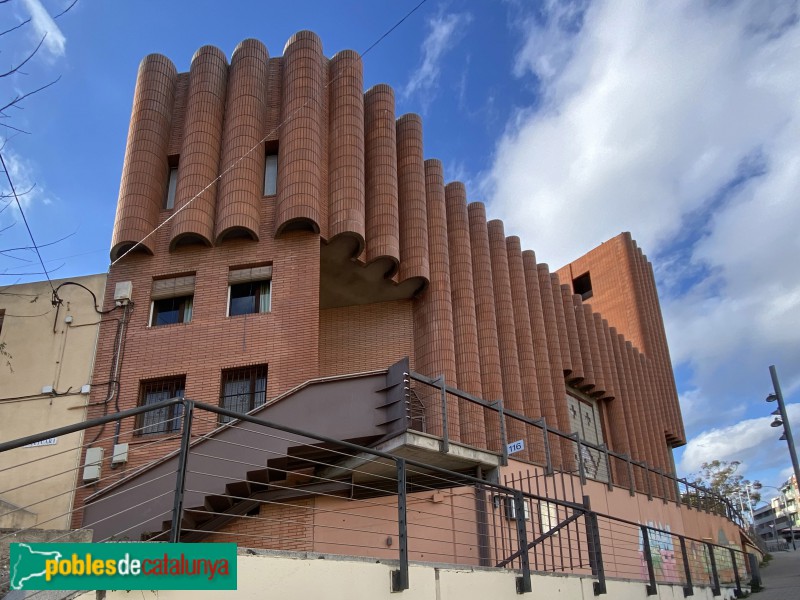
(662, 553)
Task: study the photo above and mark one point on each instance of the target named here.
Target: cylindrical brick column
(198, 166)
(303, 153)
(605, 360)
(599, 389)
(567, 317)
(488, 342)
(506, 334)
(411, 199)
(541, 354)
(347, 215)
(145, 171)
(584, 345)
(531, 405)
(242, 183)
(615, 411)
(434, 344)
(383, 220)
(465, 327)
(562, 455)
(634, 427)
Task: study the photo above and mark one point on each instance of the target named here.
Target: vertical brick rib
(573, 341)
(531, 396)
(199, 162)
(543, 365)
(661, 450)
(346, 185)
(144, 173)
(615, 410)
(562, 410)
(605, 360)
(632, 422)
(241, 187)
(563, 332)
(560, 458)
(465, 327)
(414, 260)
(380, 150)
(640, 402)
(488, 342)
(506, 331)
(275, 99)
(434, 343)
(594, 351)
(303, 155)
(584, 349)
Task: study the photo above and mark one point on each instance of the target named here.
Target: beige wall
(304, 578)
(46, 350)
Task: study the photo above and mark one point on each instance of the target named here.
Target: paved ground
(781, 578)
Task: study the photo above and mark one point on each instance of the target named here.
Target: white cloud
(445, 31)
(44, 25)
(680, 122)
(752, 442)
(22, 173)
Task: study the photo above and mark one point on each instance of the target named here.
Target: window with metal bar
(243, 389)
(161, 420)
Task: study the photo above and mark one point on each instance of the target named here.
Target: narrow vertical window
(169, 201)
(271, 175)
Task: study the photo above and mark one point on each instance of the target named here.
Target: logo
(123, 566)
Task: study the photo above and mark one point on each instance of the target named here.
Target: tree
(720, 477)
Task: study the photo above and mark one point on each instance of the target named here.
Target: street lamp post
(783, 420)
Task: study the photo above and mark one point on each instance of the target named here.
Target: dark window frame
(163, 420)
(158, 308)
(255, 292)
(242, 389)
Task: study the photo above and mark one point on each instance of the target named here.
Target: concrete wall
(300, 577)
(46, 350)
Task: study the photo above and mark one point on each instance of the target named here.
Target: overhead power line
(265, 138)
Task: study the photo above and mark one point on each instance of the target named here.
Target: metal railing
(555, 450)
(267, 485)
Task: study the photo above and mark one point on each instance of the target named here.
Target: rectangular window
(243, 389)
(583, 285)
(172, 184)
(271, 174)
(161, 420)
(249, 291)
(172, 300)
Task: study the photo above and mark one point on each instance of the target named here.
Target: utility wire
(25, 220)
(264, 139)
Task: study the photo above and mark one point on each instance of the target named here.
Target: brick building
(277, 225)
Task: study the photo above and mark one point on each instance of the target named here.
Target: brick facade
(358, 207)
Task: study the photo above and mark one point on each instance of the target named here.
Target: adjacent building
(45, 381)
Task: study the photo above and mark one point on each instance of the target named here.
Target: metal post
(786, 428)
(547, 455)
(400, 576)
(524, 581)
(609, 475)
(594, 549)
(651, 574)
(738, 591)
(688, 589)
(714, 572)
(647, 480)
(503, 438)
(631, 481)
(581, 467)
(180, 478)
(445, 437)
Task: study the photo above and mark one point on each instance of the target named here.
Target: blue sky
(573, 120)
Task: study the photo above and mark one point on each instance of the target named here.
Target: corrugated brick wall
(468, 301)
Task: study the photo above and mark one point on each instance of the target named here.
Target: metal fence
(432, 407)
(265, 485)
